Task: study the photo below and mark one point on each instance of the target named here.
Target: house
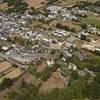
(72, 66)
(60, 32)
(53, 11)
(50, 62)
(92, 30)
(54, 44)
(97, 50)
(82, 35)
(93, 46)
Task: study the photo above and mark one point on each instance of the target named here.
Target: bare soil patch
(35, 3)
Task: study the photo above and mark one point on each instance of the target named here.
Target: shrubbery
(58, 25)
(6, 83)
(18, 6)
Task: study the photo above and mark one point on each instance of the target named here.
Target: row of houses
(64, 12)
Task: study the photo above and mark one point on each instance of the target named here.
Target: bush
(6, 83)
(32, 69)
(93, 91)
(84, 26)
(73, 30)
(58, 25)
(18, 6)
(14, 65)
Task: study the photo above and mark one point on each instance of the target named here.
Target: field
(8, 71)
(4, 66)
(92, 20)
(31, 3)
(3, 6)
(35, 3)
(13, 74)
(56, 80)
(74, 1)
(40, 3)
(70, 24)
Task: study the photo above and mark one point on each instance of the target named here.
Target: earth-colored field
(13, 74)
(35, 3)
(70, 24)
(8, 71)
(4, 66)
(3, 6)
(41, 67)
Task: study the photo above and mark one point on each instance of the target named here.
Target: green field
(92, 20)
(74, 1)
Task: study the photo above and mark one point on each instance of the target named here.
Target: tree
(78, 87)
(19, 6)
(74, 75)
(84, 26)
(94, 90)
(11, 2)
(73, 30)
(83, 37)
(58, 25)
(6, 83)
(14, 65)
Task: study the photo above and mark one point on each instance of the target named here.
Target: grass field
(68, 2)
(92, 20)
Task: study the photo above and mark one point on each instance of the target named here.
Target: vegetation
(44, 75)
(77, 89)
(14, 65)
(84, 26)
(51, 1)
(18, 6)
(58, 25)
(81, 86)
(6, 83)
(92, 20)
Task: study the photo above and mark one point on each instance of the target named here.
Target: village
(46, 46)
